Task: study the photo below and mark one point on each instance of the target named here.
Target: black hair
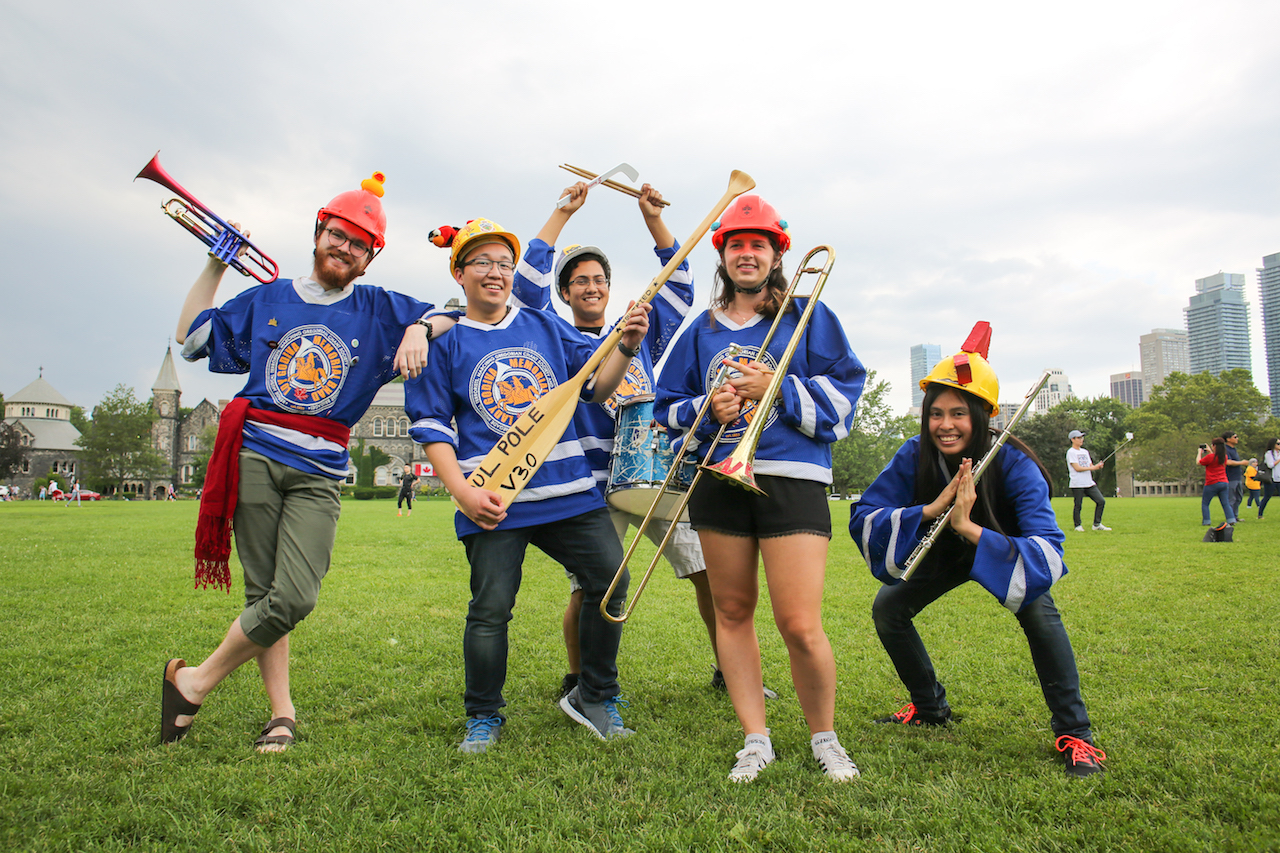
(1271, 443)
(566, 274)
(934, 471)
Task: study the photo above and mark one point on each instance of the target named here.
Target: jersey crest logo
(750, 409)
(634, 383)
(506, 383)
(307, 369)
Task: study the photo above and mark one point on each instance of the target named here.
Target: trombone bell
(737, 468)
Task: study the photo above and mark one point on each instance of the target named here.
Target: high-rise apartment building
(1057, 389)
(1218, 324)
(923, 358)
(1127, 388)
(1164, 351)
(1269, 284)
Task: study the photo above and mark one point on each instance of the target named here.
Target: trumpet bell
(739, 471)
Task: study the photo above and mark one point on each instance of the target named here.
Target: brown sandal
(284, 740)
(173, 704)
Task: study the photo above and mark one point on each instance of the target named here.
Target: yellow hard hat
(480, 231)
(968, 369)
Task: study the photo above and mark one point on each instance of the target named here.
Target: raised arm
(200, 297)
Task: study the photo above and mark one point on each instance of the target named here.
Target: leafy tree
(876, 435)
(366, 462)
(78, 420)
(1190, 410)
(116, 443)
(1103, 419)
(12, 453)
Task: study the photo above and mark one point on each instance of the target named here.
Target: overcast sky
(1065, 172)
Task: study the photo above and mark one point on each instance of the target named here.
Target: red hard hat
(361, 208)
(751, 213)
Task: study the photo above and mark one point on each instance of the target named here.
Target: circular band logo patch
(306, 370)
(506, 383)
(634, 382)
(750, 407)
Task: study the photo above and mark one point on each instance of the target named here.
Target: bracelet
(426, 324)
(627, 351)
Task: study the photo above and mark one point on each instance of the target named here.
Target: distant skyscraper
(1164, 351)
(1057, 389)
(1218, 324)
(1269, 284)
(923, 358)
(1127, 388)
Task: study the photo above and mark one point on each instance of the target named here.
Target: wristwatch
(426, 324)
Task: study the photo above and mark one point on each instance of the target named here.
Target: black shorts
(789, 506)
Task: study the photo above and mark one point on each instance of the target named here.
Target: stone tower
(165, 395)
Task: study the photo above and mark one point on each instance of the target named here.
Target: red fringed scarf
(222, 483)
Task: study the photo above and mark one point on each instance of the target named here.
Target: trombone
(738, 467)
(939, 524)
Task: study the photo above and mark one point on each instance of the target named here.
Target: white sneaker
(1099, 527)
(835, 762)
(1079, 529)
(752, 758)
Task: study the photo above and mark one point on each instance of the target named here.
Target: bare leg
(795, 567)
(572, 647)
(706, 609)
(196, 682)
(732, 569)
(273, 664)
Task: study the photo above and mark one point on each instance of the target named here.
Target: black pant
(1098, 503)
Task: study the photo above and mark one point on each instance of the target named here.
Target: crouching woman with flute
(1003, 534)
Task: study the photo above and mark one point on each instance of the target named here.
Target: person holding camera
(1215, 480)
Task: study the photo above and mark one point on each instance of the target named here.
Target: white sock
(761, 739)
(821, 739)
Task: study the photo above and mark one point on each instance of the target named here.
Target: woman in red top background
(1215, 480)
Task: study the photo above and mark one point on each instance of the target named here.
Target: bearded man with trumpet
(1003, 534)
(316, 349)
(790, 526)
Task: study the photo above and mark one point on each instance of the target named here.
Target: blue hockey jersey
(306, 351)
(886, 526)
(815, 406)
(478, 382)
(533, 285)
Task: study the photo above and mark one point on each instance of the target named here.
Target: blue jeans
(587, 546)
(896, 606)
(1268, 489)
(1221, 491)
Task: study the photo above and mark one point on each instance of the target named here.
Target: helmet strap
(740, 289)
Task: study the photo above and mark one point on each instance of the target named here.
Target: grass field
(1177, 643)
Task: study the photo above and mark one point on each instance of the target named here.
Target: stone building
(386, 427)
(175, 435)
(42, 417)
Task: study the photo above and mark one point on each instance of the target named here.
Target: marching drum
(642, 458)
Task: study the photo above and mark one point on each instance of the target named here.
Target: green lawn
(1176, 641)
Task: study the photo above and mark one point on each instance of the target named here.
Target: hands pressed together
(962, 491)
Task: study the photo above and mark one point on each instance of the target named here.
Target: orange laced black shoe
(909, 716)
(1083, 758)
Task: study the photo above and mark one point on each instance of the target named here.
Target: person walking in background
(1267, 474)
(408, 482)
(1252, 484)
(74, 494)
(1215, 480)
(44, 492)
(1235, 472)
(1081, 468)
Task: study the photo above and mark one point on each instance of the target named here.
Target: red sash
(222, 482)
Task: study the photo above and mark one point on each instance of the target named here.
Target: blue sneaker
(602, 719)
(483, 731)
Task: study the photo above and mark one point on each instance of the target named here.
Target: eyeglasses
(483, 265)
(354, 246)
(583, 281)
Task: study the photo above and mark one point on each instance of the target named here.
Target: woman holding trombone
(789, 527)
(1003, 534)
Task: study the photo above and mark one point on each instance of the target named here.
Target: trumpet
(736, 468)
(225, 243)
(940, 523)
